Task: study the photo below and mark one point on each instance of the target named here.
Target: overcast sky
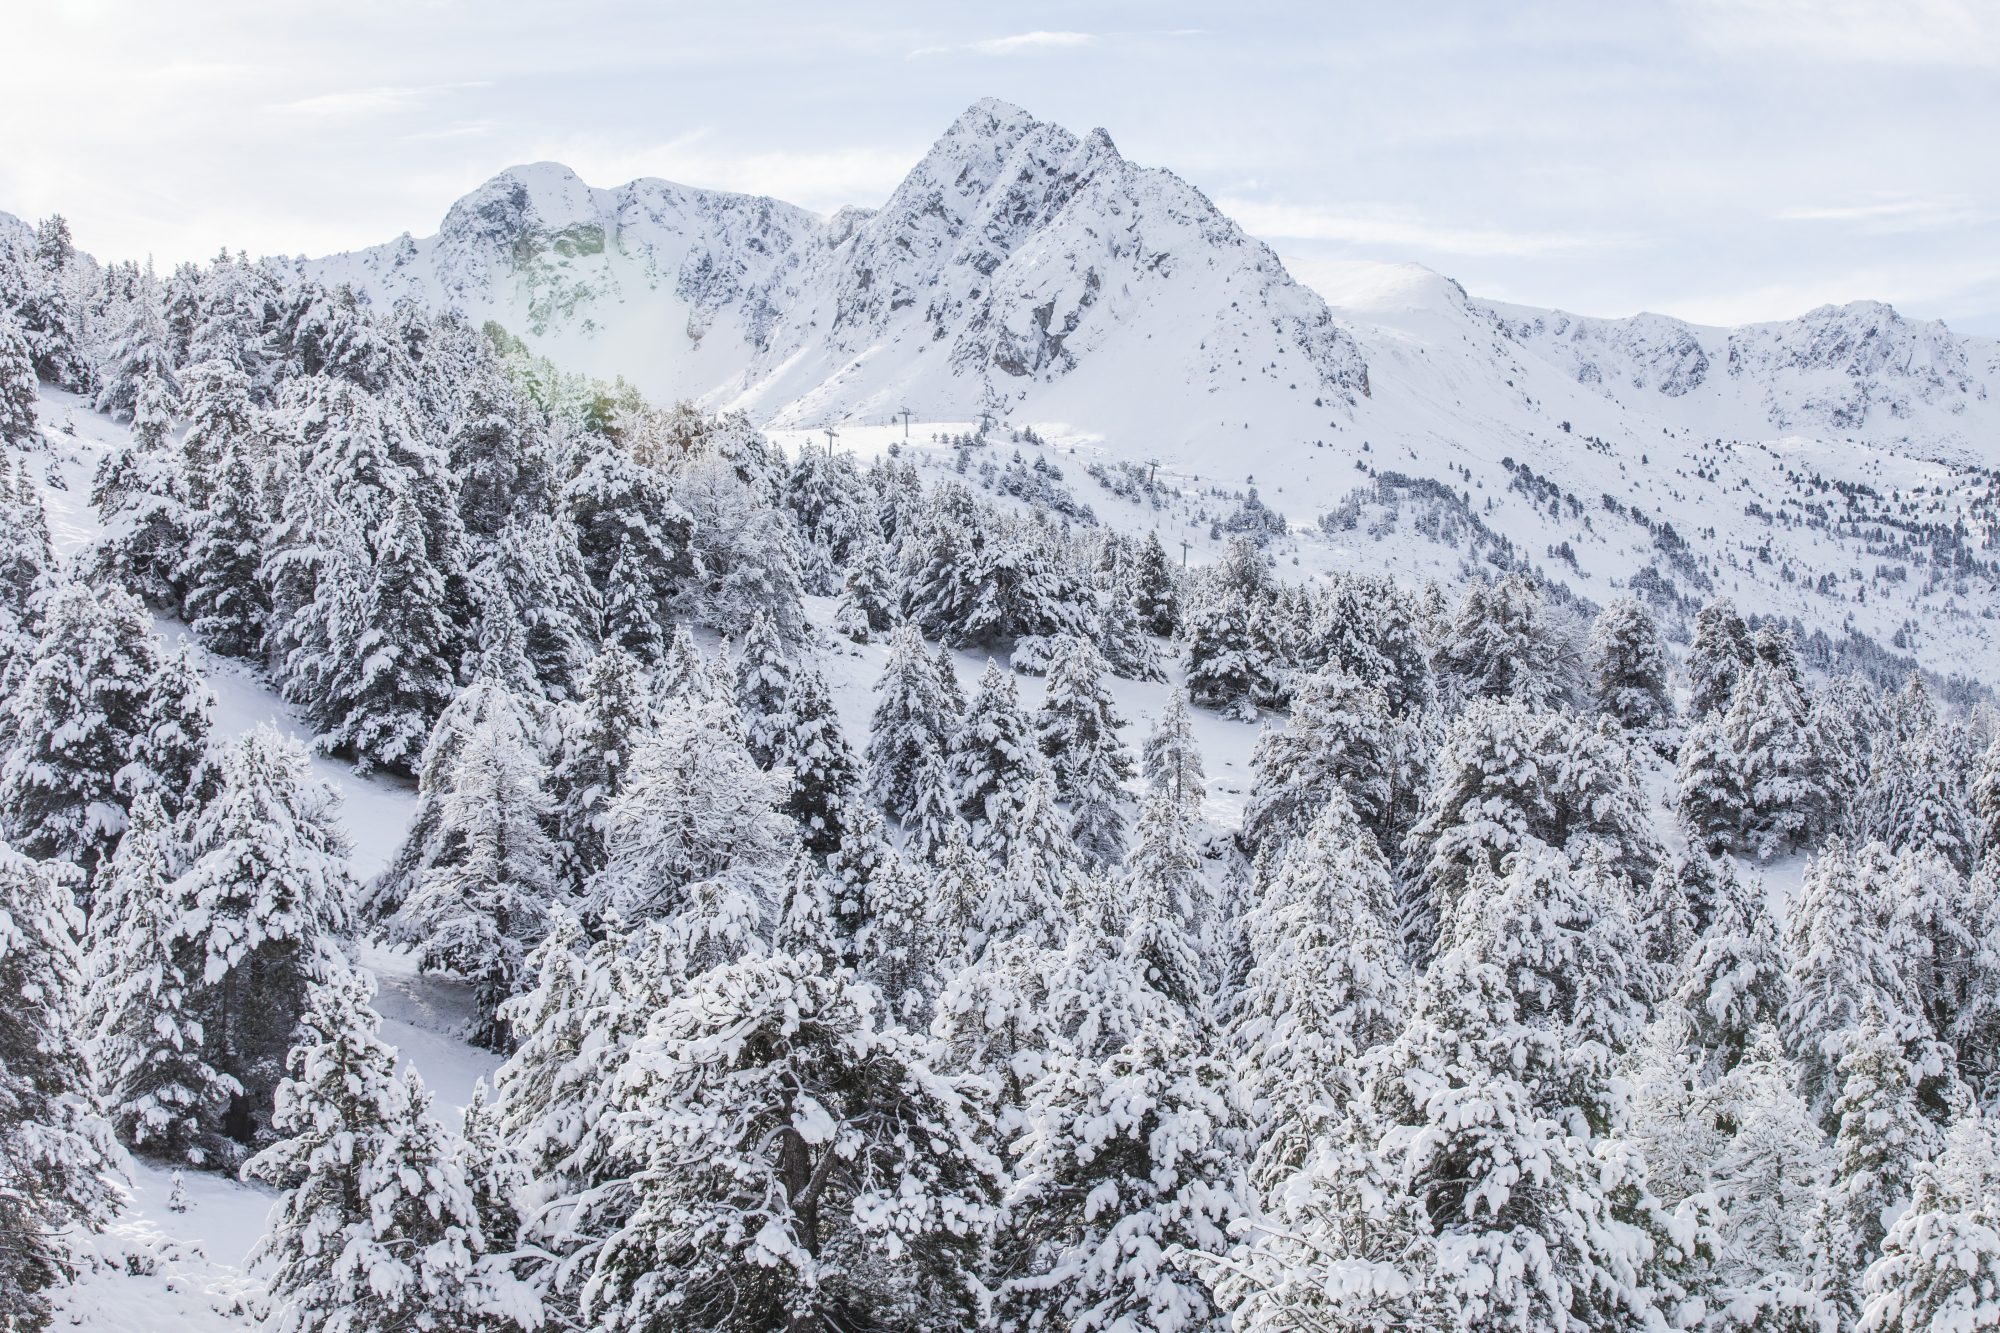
(1721, 160)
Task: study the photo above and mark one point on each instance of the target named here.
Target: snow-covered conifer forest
(656, 762)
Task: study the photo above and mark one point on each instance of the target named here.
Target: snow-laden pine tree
(164, 1098)
(535, 577)
(1326, 984)
(477, 913)
(1709, 797)
(1507, 642)
(1340, 738)
(1629, 667)
(869, 594)
(1769, 1179)
(911, 730)
(1733, 982)
(391, 671)
(598, 735)
(140, 347)
(804, 924)
(1224, 666)
(19, 389)
(1665, 922)
(1976, 1032)
(1498, 1099)
(142, 502)
(1935, 934)
(1939, 1267)
(1129, 1157)
(803, 1165)
(1172, 758)
(1777, 766)
(1985, 799)
(429, 841)
(59, 1164)
(1032, 866)
(993, 759)
(215, 398)
(265, 906)
(1077, 728)
(764, 686)
(223, 600)
(77, 722)
(1507, 778)
(375, 1229)
(1843, 958)
(1922, 802)
(1166, 863)
(1717, 658)
(897, 947)
(828, 501)
(807, 745)
(1120, 634)
(1882, 1138)
(695, 807)
(636, 546)
(1343, 1247)
(1157, 598)
(173, 759)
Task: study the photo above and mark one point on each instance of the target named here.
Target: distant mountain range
(1037, 277)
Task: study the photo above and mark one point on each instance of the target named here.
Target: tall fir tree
(993, 758)
(1172, 758)
(803, 1165)
(375, 1229)
(1717, 658)
(77, 722)
(165, 1100)
(479, 913)
(1077, 728)
(59, 1165)
(266, 905)
(1629, 667)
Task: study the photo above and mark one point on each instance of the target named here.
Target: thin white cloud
(357, 103)
(1399, 230)
(1019, 43)
(1963, 33)
(1890, 216)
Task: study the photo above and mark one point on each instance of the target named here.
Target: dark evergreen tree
(376, 1229)
(1629, 667)
(600, 733)
(1157, 598)
(225, 603)
(165, 1100)
(77, 721)
(1077, 727)
(807, 743)
(993, 758)
(59, 1164)
(19, 388)
(911, 730)
(266, 903)
(479, 912)
(1718, 656)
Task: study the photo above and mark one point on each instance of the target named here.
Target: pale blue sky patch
(1715, 159)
